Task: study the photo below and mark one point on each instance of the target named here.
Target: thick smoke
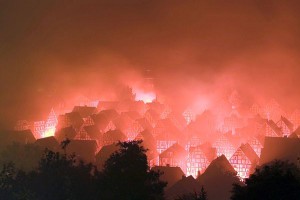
(198, 51)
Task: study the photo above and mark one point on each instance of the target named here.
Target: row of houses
(174, 139)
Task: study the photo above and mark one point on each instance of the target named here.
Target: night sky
(55, 49)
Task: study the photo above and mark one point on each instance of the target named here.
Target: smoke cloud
(198, 51)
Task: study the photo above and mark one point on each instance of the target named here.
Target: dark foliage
(61, 177)
(277, 180)
(194, 196)
(127, 174)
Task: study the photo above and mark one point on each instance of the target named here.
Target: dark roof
(22, 137)
(170, 174)
(75, 119)
(111, 114)
(289, 124)
(134, 115)
(280, 148)
(249, 152)
(177, 119)
(184, 186)
(221, 164)
(64, 133)
(144, 123)
(156, 106)
(115, 135)
(100, 120)
(171, 131)
(104, 153)
(176, 150)
(274, 127)
(93, 132)
(123, 122)
(148, 139)
(218, 178)
(295, 134)
(85, 111)
(209, 151)
(83, 149)
(104, 105)
(153, 114)
(48, 142)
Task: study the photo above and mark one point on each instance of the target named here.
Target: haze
(197, 50)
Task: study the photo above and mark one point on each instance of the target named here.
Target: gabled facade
(38, 129)
(152, 116)
(286, 126)
(272, 130)
(22, 125)
(112, 137)
(295, 118)
(243, 160)
(224, 146)
(50, 124)
(256, 144)
(189, 115)
(174, 156)
(197, 161)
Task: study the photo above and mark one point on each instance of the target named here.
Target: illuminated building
(112, 136)
(271, 129)
(244, 160)
(285, 126)
(224, 146)
(196, 162)
(174, 156)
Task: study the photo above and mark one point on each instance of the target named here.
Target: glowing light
(146, 97)
(49, 132)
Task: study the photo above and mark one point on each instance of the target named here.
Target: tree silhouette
(64, 144)
(127, 175)
(277, 180)
(24, 156)
(62, 177)
(194, 196)
(7, 181)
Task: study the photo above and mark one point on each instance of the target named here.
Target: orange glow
(50, 132)
(146, 97)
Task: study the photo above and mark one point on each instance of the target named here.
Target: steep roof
(170, 131)
(175, 150)
(83, 149)
(184, 186)
(134, 115)
(274, 127)
(85, 111)
(170, 174)
(111, 114)
(23, 137)
(123, 122)
(153, 114)
(93, 132)
(104, 153)
(280, 148)
(289, 124)
(64, 133)
(249, 152)
(144, 123)
(209, 152)
(48, 142)
(147, 138)
(115, 135)
(105, 105)
(218, 179)
(220, 164)
(100, 120)
(295, 134)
